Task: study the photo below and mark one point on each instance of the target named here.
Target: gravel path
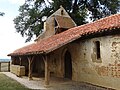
(33, 84)
(55, 84)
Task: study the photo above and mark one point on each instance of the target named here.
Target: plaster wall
(104, 71)
(87, 68)
(56, 63)
(48, 29)
(56, 60)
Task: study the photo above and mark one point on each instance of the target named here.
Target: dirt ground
(66, 84)
(78, 86)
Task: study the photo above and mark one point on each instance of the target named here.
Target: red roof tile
(56, 41)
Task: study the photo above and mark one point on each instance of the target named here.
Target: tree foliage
(2, 13)
(30, 19)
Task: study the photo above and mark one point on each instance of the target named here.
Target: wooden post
(30, 60)
(9, 66)
(47, 71)
(0, 66)
(20, 61)
(12, 60)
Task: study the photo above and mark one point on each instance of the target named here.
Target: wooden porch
(30, 67)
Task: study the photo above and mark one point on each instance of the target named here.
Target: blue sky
(10, 40)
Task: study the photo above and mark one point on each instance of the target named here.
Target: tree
(2, 13)
(102, 8)
(30, 19)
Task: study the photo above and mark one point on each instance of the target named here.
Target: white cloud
(10, 40)
(20, 2)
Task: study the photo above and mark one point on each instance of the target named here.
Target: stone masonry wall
(104, 71)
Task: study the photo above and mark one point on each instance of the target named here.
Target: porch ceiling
(107, 24)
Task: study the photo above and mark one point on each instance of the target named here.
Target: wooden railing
(1, 62)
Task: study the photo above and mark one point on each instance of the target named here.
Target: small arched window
(61, 12)
(97, 45)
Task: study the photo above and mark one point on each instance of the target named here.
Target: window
(61, 12)
(97, 44)
(55, 23)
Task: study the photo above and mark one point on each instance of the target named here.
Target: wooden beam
(0, 66)
(12, 62)
(9, 66)
(30, 60)
(47, 71)
(20, 61)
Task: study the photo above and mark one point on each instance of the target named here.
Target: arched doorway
(68, 65)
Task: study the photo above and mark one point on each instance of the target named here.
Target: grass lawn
(7, 83)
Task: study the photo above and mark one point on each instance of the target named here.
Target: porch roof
(56, 41)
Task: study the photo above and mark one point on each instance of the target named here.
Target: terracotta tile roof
(56, 41)
(64, 22)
